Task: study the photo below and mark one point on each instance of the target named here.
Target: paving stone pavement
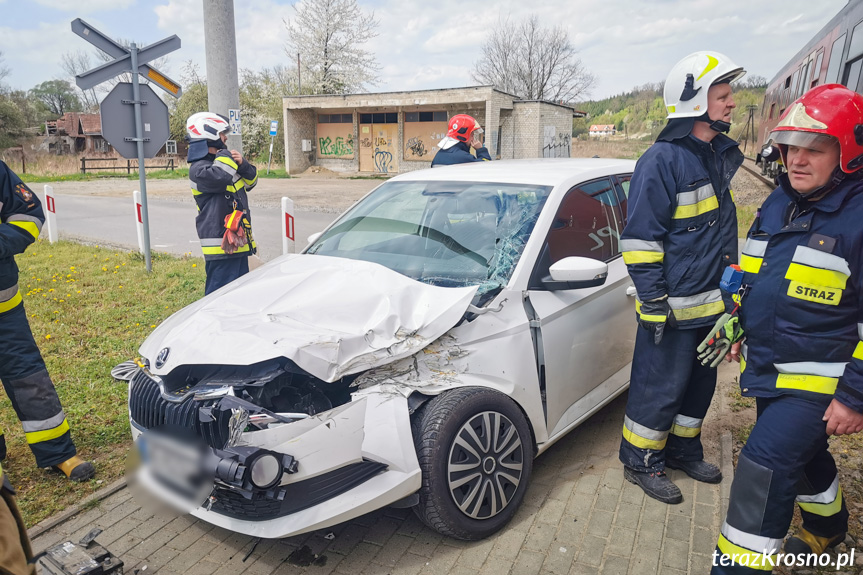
(579, 516)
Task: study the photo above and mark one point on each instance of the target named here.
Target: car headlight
(265, 471)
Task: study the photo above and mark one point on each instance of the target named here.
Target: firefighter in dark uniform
(463, 134)
(22, 369)
(16, 554)
(802, 317)
(220, 180)
(680, 236)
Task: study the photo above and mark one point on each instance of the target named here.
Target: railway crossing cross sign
(122, 110)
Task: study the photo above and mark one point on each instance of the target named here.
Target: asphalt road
(111, 220)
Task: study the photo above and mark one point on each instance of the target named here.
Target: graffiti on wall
(556, 145)
(383, 160)
(417, 147)
(338, 147)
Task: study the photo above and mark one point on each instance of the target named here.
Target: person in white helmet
(680, 237)
(220, 179)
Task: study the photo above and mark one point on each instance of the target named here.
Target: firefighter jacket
(803, 311)
(681, 232)
(459, 154)
(219, 187)
(21, 220)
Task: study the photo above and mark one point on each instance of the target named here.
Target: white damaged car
(421, 351)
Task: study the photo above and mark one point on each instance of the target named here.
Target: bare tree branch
(533, 62)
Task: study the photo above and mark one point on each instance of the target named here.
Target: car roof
(539, 171)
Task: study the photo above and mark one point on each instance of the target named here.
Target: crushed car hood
(331, 316)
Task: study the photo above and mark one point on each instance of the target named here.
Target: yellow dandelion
(194, 265)
(48, 336)
(154, 325)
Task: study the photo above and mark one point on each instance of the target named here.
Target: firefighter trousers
(784, 460)
(669, 393)
(32, 392)
(224, 271)
(15, 551)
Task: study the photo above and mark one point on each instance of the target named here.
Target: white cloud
(86, 6)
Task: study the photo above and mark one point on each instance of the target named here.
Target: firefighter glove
(653, 315)
(726, 331)
(235, 235)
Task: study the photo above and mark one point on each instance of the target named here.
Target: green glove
(726, 331)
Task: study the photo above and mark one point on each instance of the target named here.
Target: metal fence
(93, 165)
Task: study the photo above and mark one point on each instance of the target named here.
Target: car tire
(475, 450)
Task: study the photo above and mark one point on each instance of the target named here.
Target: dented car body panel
(431, 283)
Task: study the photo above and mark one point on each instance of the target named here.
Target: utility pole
(220, 41)
(299, 76)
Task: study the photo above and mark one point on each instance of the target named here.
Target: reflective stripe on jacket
(803, 313)
(219, 186)
(21, 219)
(682, 226)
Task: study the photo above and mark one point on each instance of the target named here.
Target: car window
(621, 183)
(443, 233)
(588, 223)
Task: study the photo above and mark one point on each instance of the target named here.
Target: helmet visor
(811, 140)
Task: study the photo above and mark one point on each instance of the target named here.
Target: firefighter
(22, 369)
(680, 236)
(16, 554)
(220, 180)
(802, 317)
(463, 133)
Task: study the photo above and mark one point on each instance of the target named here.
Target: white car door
(587, 334)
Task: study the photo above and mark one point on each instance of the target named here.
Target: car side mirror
(575, 272)
(314, 237)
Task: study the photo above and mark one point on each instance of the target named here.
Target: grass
(738, 402)
(745, 217)
(89, 309)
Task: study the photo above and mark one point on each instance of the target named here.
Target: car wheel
(476, 452)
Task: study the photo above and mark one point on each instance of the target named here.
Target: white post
(139, 221)
(50, 214)
(288, 243)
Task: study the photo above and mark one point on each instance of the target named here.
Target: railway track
(749, 166)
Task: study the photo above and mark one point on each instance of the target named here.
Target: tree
(532, 62)
(329, 36)
(193, 100)
(751, 82)
(78, 62)
(4, 70)
(58, 96)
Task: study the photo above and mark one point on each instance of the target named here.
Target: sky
(422, 44)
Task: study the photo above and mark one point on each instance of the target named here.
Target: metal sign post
(148, 137)
(274, 128)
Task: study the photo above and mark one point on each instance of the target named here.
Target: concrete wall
(541, 130)
(299, 126)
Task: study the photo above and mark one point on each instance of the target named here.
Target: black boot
(655, 484)
(697, 470)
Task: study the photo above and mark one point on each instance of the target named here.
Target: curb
(727, 466)
(69, 512)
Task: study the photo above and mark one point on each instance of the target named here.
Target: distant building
(600, 130)
(76, 133)
(399, 131)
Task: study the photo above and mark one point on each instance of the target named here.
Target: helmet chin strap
(715, 125)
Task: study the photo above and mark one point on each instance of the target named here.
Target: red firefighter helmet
(831, 113)
(461, 126)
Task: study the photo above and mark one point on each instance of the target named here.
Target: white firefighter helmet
(686, 86)
(206, 125)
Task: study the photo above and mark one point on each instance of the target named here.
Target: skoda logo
(162, 357)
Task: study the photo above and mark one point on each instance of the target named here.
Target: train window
(804, 79)
(794, 80)
(772, 109)
(856, 47)
(852, 73)
(816, 72)
(835, 60)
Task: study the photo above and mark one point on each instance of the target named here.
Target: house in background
(76, 133)
(601, 130)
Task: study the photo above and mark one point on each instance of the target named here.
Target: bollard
(50, 214)
(139, 222)
(288, 243)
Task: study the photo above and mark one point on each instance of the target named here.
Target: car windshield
(441, 233)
